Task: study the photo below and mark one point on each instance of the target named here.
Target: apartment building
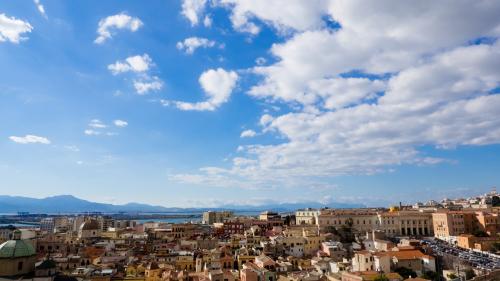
(488, 222)
(385, 261)
(448, 224)
(47, 225)
(406, 223)
(362, 220)
(252, 272)
(392, 223)
(212, 217)
(306, 216)
(371, 261)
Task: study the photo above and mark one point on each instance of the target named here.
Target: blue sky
(205, 103)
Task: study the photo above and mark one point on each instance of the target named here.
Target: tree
(469, 274)
(346, 234)
(495, 247)
(480, 233)
(431, 275)
(495, 201)
(331, 229)
(452, 276)
(406, 272)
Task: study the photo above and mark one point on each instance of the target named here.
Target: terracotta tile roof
(409, 255)
(371, 275)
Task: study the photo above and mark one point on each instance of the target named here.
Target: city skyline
(208, 103)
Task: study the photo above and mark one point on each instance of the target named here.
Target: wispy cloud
(248, 134)
(27, 139)
(40, 8)
(120, 123)
(96, 127)
(189, 45)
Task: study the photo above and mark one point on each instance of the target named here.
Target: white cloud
(366, 97)
(265, 120)
(119, 21)
(189, 45)
(207, 21)
(373, 39)
(193, 9)
(248, 134)
(72, 148)
(96, 123)
(140, 65)
(134, 63)
(97, 128)
(90, 132)
(282, 14)
(147, 84)
(339, 92)
(120, 123)
(40, 8)
(12, 28)
(217, 85)
(29, 139)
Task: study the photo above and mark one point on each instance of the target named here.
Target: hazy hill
(71, 204)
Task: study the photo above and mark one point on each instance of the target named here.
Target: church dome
(90, 225)
(16, 249)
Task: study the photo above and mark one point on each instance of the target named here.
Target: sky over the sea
(209, 102)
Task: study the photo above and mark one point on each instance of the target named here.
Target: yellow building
(406, 223)
(452, 223)
(469, 241)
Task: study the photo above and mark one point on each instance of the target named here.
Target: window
(20, 266)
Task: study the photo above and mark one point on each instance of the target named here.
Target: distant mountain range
(71, 204)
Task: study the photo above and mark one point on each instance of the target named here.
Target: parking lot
(480, 260)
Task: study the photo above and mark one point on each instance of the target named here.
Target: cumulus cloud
(218, 85)
(139, 65)
(283, 15)
(40, 8)
(29, 139)
(248, 134)
(193, 10)
(189, 45)
(207, 21)
(340, 92)
(11, 29)
(147, 84)
(120, 123)
(365, 96)
(119, 21)
(389, 44)
(134, 63)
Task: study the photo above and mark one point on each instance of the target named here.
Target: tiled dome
(16, 249)
(90, 225)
